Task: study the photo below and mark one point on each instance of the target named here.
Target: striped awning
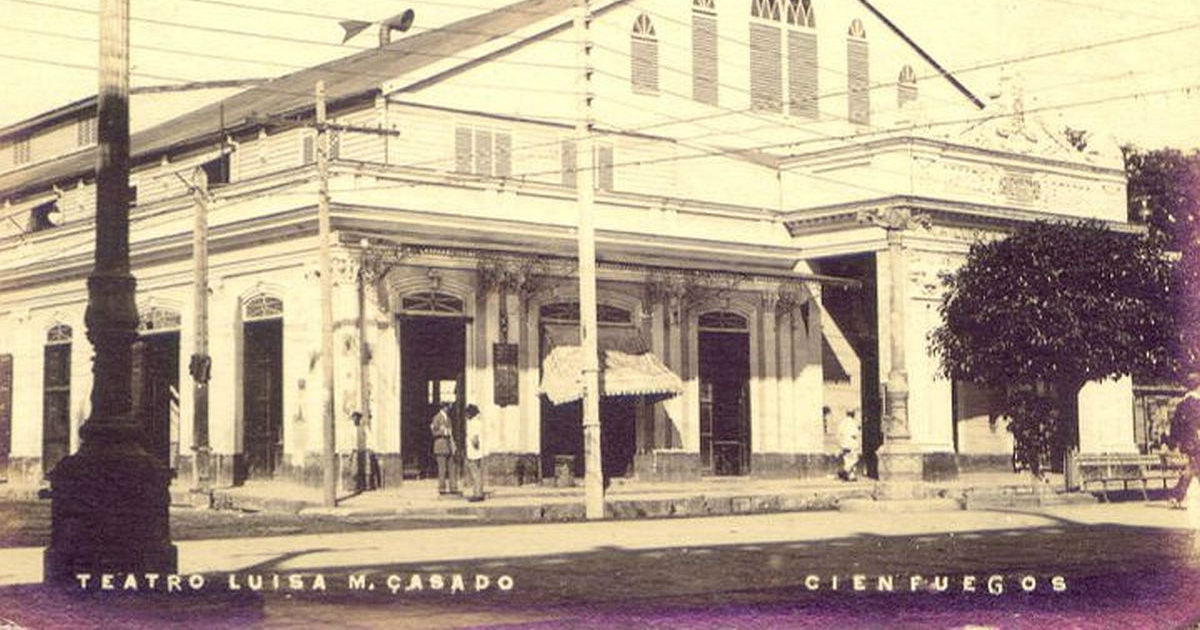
(621, 374)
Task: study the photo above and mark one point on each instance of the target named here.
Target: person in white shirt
(850, 442)
(475, 452)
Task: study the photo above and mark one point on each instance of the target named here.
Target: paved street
(1125, 564)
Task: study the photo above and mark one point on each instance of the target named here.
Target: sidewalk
(632, 499)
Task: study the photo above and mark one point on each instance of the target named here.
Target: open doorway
(433, 372)
(262, 397)
(724, 357)
(157, 377)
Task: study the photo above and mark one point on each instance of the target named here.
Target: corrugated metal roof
(357, 75)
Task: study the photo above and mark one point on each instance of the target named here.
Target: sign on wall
(505, 369)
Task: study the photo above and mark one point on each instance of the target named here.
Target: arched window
(858, 75)
(158, 319)
(766, 73)
(262, 306)
(906, 86)
(802, 59)
(644, 56)
(722, 320)
(431, 302)
(704, 51)
(569, 312)
(58, 333)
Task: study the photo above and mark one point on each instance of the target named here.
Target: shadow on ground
(1112, 576)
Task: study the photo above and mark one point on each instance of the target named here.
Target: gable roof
(355, 76)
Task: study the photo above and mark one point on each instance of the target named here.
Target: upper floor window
(45, 216)
(480, 151)
(643, 56)
(906, 86)
(800, 13)
(768, 53)
(308, 146)
(602, 166)
(704, 51)
(802, 73)
(216, 171)
(21, 152)
(858, 75)
(86, 131)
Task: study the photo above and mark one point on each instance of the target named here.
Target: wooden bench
(1124, 468)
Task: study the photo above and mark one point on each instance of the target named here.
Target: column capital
(895, 219)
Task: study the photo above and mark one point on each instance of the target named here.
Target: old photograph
(599, 314)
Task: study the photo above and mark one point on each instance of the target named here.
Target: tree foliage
(1049, 308)
(1164, 186)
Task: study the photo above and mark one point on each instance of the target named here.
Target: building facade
(743, 152)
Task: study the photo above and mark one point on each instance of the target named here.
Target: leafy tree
(1164, 193)
(1052, 306)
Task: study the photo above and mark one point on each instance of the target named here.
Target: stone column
(900, 463)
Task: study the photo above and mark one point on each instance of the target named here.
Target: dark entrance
(562, 425)
(562, 434)
(433, 371)
(6, 382)
(56, 402)
(724, 402)
(262, 397)
(157, 376)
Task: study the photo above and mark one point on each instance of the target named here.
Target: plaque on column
(504, 367)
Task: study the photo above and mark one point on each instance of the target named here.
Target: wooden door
(262, 397)
(56, 405)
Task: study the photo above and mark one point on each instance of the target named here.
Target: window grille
(262, 307)
(722, 320)
(58, 333)
(858, 75)
(158, 319)
(906, 86)
(431, 302)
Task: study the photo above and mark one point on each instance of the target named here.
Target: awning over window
(627, 368)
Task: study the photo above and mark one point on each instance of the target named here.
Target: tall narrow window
(704, 51)
(643, 56)
(802, 59)
(308, 148)
(858, 75)
(463, 148)
(604, 167)
(21, 152)
(906, 86)
(56, 396)
(85, 132)
(766, 74)
(570, 164)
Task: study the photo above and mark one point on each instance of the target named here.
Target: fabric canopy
(621, 374)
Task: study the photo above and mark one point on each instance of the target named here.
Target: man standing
(475, 452)
(850, 442)
(1185, 436)
(443, 449)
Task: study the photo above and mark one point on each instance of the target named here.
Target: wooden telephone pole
(593, 479)
(201, 364)
(325, 262)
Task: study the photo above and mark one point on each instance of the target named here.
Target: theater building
(749, 156)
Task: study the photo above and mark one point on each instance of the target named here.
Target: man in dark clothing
(1185, 436)
(443, 450)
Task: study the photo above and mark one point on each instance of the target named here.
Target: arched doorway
(724, 357)
(156, 373)
(433, 329)
(262, 386)
(56, 396)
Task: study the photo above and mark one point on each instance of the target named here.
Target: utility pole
(110, 500)
(329, 453)
(593, 479)
(201, 364)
